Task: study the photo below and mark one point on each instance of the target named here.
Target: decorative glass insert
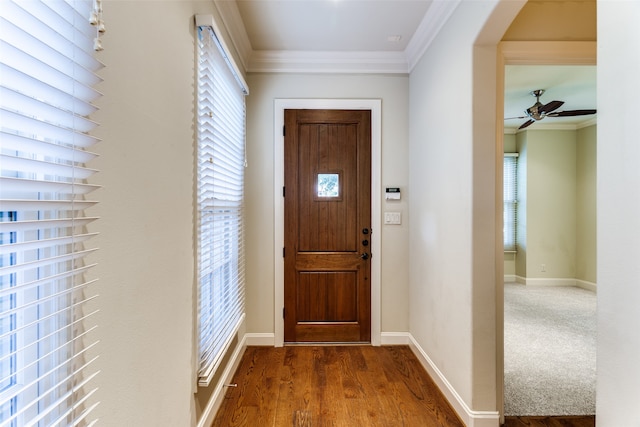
(328, 185)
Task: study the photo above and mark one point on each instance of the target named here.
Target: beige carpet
(550, 350)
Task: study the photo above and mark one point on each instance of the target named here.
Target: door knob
(365, 256)
(365, 242)
(365, 231)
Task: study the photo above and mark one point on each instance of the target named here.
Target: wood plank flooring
(318, 386)
(354, 386)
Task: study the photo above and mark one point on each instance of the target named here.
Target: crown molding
(435, 18)
(360, 62)
(552, 126)
(587, 123)
(327, 62)
(234, 25)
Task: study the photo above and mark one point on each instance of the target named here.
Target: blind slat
(48, 408)
(47, 93)
(17, 101)
(26, 166)
(45, 262)
(43, 75)
(43, 342)
(52, 224)
(45, 205)
(82, 414)
(9, 187)
(44, 243)
(35, 126)
(17, 143)
(76, 270)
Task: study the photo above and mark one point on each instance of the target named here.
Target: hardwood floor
(354, 386)
(314, 386)
(569, 421)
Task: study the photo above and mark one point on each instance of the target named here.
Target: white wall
(557, 207)
(440, 210)
(618, 370)
(146, 262)
(452, 211)
(265, 88)
(551, 204)
(586, 199)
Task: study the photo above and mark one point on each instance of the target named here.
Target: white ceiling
(382, 36)
(331, 25)
(573, 84)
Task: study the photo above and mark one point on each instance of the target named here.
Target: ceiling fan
(539, 111)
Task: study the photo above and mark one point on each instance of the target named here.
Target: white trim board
(395, 338)
(248, 339)
(265, 339)
(552, 281)
(375, 105)
(508, 278)
(469, 417)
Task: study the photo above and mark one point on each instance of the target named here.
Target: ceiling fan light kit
(539, 111)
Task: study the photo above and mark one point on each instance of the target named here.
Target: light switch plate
(394, 218)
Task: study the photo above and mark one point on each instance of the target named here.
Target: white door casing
(375, 105)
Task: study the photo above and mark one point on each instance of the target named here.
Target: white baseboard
(549, 281)
(260, 339)
(469, 417)
(509, 278)
(590, 286)
(254, 339)
(395, 338)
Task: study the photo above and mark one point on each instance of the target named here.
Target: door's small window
(328, 185)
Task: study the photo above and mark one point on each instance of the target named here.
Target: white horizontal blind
(221, 159)
(510, 171)
(47, 79)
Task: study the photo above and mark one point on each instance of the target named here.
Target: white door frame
(522, 53)
(375, 105)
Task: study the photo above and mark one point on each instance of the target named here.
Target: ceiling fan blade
(511, 118)
(549, 107)
(526, 124)
(572, 113)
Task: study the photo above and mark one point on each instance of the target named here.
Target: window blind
(47, 79)
(510, 171)
(220, 192)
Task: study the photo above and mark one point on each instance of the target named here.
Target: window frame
(221, 159)
(510, 202)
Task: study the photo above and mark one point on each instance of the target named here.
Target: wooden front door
(327, 214)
